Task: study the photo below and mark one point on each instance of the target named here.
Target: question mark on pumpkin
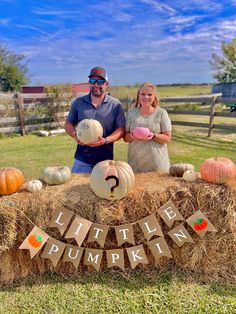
(114, 186)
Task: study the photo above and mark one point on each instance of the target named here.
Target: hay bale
(214, 255)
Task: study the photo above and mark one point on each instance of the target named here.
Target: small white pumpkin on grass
(56, 175)
(89, 130)
(34, 186)
(190, 176)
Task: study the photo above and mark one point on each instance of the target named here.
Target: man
(107, 110)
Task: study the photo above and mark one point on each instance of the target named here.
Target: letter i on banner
(169, 213)
(34, 241)
(159, 248)
(61, 219)
(78, 229)
(136, 255)
(115, 258)
(53, 250)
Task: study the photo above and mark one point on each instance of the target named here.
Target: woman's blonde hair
(156, 101)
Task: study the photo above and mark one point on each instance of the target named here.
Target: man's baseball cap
(99, 71)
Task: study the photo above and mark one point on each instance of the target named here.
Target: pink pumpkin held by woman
(141, 132)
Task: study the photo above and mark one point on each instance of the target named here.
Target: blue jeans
(81, 167)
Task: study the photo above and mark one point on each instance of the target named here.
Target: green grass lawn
(134, 291)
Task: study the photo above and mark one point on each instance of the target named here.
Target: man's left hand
(101, 141)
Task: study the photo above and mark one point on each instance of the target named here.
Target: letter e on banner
(169, 213)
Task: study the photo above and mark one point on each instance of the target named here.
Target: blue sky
(135, 40)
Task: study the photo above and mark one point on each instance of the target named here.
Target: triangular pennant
(34, 241)
(61, 219)
(124, 233)
(98, 233)
(115, 258)
(200, 223)
(136, 255)
(78, 229)
(169, 213)
(180, 235)
(53, 250)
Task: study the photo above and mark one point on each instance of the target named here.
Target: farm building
(228, 91)
(76, 88)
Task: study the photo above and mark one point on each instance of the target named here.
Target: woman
(148, 154)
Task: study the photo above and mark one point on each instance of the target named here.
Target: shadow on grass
(129, 280)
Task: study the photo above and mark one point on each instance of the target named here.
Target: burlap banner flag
(98, 233)
(159, 248)
(200, 223)
(150, 227)
(73, 254)
(93, 257)
(180, 235)
(34, 241)
(169, 213)
(78, 229)
(115, 258)
(124, 233)
(53, 250)
(61, 219)
(136, 255)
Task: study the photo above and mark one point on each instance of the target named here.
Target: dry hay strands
(214, 255)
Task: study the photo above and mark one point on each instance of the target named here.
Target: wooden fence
(27, 112)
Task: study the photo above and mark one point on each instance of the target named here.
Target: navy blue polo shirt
(111, 116)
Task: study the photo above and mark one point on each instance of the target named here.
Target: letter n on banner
(78, 229)
(180, 235)
(53, 250)
(169, 213)
(150, 226)
(34, 241)
(93, 257)
(136, 255)
(61, 219)
(73, 254)
(159, 248)
(115, 258)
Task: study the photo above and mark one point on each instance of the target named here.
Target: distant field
(163, 91)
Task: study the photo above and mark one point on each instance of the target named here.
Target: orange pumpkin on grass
(218, 170)
(11, 180)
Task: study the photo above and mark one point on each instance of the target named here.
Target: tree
(225, 66)
(13, 70)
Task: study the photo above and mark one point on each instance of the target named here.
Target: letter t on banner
(124, 233)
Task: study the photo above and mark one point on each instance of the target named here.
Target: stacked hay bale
(213, 255)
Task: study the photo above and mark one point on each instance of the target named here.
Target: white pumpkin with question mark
(111, 179)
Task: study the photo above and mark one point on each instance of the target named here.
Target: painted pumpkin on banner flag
(89, 130)
(200, 224)
(11, 180)
(218, 170)
(56, 175)
(111, 179)
(35, 240)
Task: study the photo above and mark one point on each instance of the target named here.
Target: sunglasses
(94, 81)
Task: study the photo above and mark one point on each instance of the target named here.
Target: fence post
(20, 105)
(212, 115)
